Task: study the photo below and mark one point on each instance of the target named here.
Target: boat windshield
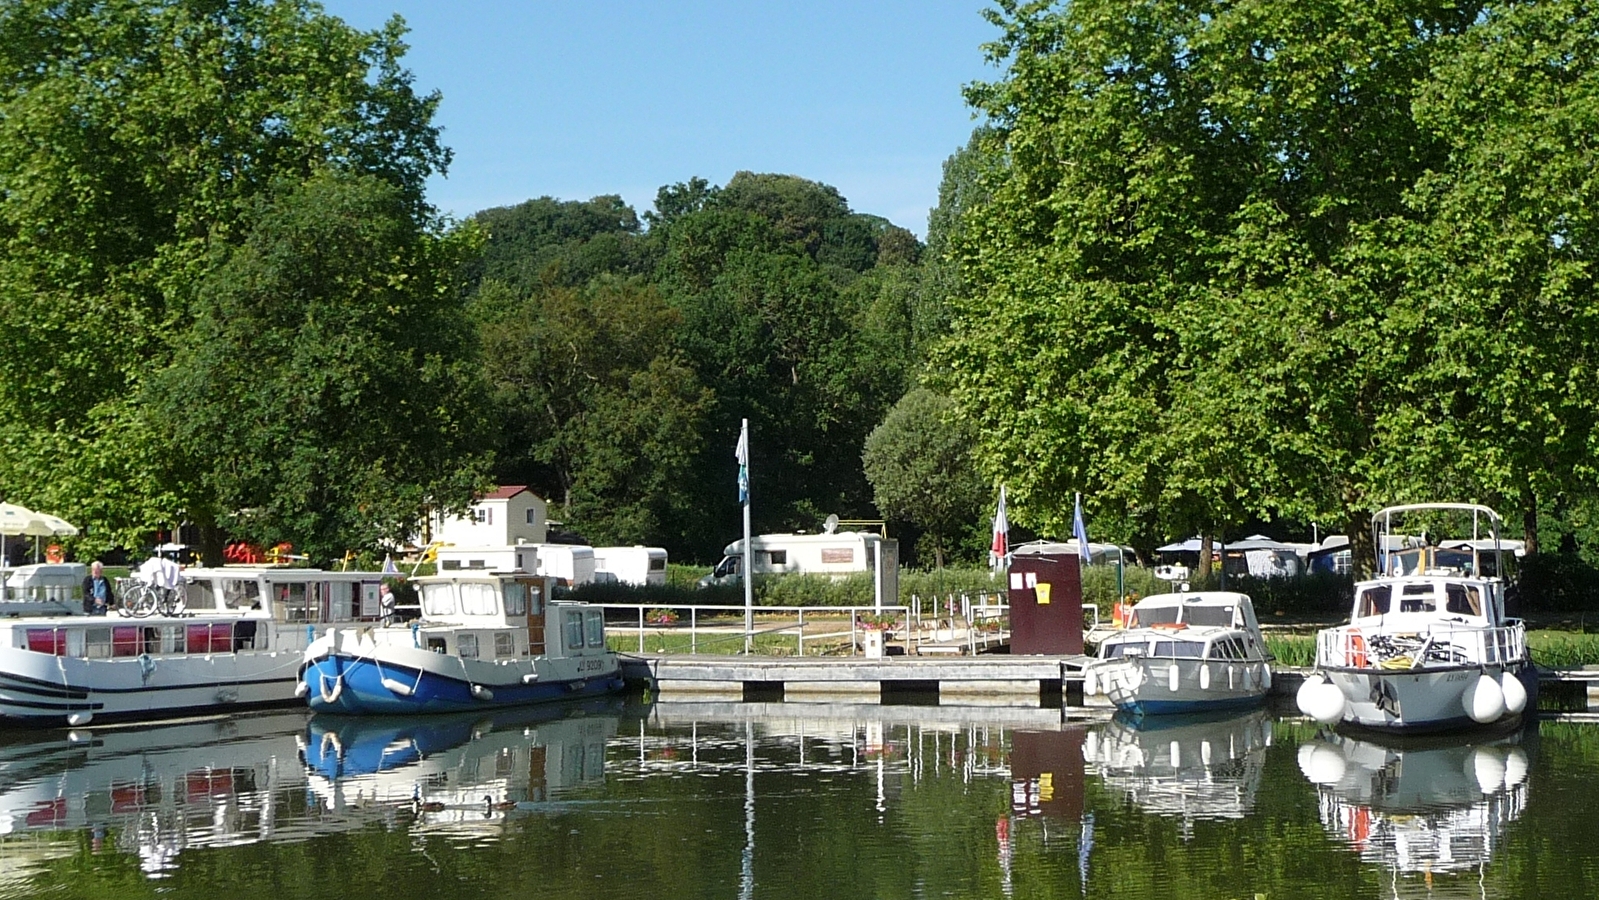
(478, 599)
(438, 600)
(1156, 615)
(1178, 649)
(1373, 601)
(1209, 615)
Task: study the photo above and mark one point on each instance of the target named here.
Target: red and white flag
(1000, 548)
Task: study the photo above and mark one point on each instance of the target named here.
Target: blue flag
(1079, 531)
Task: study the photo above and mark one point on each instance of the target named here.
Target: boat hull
(41, 689)
(1143, 687)
(366, 685)
(1422, 701)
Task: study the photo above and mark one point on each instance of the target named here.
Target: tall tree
(135, 139)
(326, 389)
(919, 462)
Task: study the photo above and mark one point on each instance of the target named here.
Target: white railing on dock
(955, 623)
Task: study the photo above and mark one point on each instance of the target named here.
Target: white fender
(1515, 693)
(1090, 683)
(1204, 677)
(1173, 677)
(301, 690)
(330, 696)
(398, 687)
(79, 718)
(1265, 676)
(1484, 701)
(1175, 752)
(481, 692)
(1321, 700)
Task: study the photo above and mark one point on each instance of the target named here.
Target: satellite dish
(831, 525)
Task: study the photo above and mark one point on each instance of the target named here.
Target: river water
(731, 800)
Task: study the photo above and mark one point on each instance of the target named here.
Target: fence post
(802, 632)
(693, 631)
(640, 630)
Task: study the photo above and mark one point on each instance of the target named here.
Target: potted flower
(661, 616)
(875, 631)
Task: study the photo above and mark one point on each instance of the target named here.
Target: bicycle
(143, 600)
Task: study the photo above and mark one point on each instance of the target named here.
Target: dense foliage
(1281, 259)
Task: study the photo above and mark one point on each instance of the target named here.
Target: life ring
(54, 554)
(1355, 653)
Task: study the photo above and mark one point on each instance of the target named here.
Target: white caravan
(637, 565)
(572, 564)
(841, 553)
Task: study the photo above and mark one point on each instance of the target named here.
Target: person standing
(98, 598)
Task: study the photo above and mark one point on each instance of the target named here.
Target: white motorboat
(1420, 810)
(229, 638)
(1428, 646)
(1186, 652)
(485, 640)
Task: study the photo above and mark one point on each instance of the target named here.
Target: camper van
(637, 565)
(841, 553)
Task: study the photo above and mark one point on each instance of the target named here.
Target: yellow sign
(1043, 593)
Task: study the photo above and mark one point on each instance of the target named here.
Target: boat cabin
(1208, 625)
(1436, 597)
(504, 615)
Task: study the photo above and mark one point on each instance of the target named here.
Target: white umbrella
(16, 519)
(59, 527)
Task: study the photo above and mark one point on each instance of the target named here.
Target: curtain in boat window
(438, 600)
(479, 599)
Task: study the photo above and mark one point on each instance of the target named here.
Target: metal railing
(953, 623)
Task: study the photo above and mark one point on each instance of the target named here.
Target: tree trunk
(1529, 520)
(1205, 549)
(212, 540)
(1362, 552)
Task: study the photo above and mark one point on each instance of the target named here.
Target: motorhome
(637, 565)
(839, 553)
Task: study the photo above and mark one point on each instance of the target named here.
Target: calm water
(792, 801)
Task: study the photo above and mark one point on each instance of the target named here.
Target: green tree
(135, 139)
(920, 466)
(326, 389)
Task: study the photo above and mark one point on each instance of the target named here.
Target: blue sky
(574, 99)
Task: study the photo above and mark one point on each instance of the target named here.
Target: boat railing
(1435, 643)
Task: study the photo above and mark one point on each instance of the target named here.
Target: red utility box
(1046, 604)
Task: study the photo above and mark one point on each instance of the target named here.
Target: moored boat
(485, 640)
(1188, 652)
(1428, 645)
(224, 639)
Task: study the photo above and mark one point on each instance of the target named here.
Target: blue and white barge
(484, 640)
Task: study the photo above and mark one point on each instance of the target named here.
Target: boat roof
(1195, 598)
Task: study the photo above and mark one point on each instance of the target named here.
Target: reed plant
(1292, 649)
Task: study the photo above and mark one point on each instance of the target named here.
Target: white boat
(1420, 810)
(236, 643)
(1184, 653)
(1194, 768)
(1428, 646)
(485, 640)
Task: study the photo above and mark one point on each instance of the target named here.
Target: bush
(1318, 594)
(1555, 582)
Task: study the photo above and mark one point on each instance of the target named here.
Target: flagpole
(749, 546)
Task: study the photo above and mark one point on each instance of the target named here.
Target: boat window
(1373, 602)
(466, 645)
(1458, 560)
(1172, 649)
(292, 605)
(596, 626)
(1241, 648)
(438, 600)
(1405, 563)
(479, 599)
(515, 598)
(237, 594)
(574, 629)
(1112, 651)
(97, 643)
(1461, 601)
(198, 595)
(1416, 598)
(1157, 615)
(504, 645)
(1209, 615)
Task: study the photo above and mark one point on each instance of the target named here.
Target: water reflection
(1422, 807)
(155, 792)
(1188, 767)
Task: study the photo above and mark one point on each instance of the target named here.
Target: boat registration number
(593, 665)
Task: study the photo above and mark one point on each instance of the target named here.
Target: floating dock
(997, 679)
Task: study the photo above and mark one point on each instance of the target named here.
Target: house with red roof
(511, 514)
